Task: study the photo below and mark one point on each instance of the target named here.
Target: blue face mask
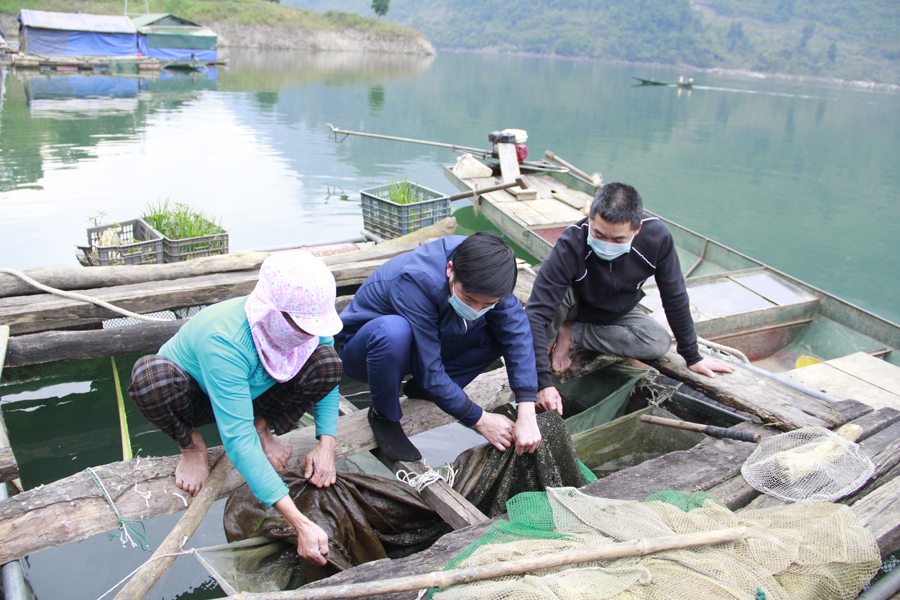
(464, 310)
(607, 250)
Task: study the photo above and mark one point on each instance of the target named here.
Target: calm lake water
(801, 176)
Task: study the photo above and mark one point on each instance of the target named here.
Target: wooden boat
(680, 84)
(776, 320)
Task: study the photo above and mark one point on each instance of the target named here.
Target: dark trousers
(173, 400)
(381, 354)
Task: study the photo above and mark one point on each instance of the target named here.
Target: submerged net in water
(814, 551)
(368, 517)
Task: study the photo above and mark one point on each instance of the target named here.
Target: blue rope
(127, 532)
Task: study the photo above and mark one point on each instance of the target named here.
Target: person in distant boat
(254, 365)
(443, 313)
(587, 292)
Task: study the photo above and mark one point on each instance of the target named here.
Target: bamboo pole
(123, 420)
(174, 543)
(444, 579)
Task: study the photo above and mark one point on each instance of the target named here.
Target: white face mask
(465, 311)
(607, 250)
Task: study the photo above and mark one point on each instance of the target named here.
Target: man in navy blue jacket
(588, 290)
(443, 313)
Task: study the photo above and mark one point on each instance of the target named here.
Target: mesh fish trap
(812, 463)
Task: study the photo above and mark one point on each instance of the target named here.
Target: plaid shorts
(173, 400)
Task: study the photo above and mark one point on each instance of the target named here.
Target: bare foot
(193, 469)
(560, 356)
(277, 451)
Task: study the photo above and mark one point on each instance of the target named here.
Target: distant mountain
(847, 39)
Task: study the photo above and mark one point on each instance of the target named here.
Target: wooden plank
(878, 513)
(852, 410)
(9, 469)
(724, 297)
(773, 288)
(773, 402)
(831, 380)
(527, 215)
(873, 370)
(447, 502)
(73, 509)
(554, 211)
(509, 164)
(31, 314)
(704, 466)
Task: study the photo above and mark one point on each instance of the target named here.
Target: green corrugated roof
(145, 20)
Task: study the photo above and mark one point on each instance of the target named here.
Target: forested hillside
(848, 39)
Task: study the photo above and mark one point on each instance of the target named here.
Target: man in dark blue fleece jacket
(443, 313)
(588, 290)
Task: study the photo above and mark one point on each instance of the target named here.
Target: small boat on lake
(687, 84)
(779, 322)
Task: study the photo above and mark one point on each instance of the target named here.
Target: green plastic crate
(195, 247)
(390, 220)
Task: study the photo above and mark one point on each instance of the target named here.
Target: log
(80, 278)
(31, 314)
(166, 552)
(73, 509)
(51, 346)
(878, 512)
(446, 226)
(745, 390)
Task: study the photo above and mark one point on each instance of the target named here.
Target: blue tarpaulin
(76, 34)
(168, 54)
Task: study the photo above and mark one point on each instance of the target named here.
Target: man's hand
(312, 542)
(527, 434)
(497, 429)
(549, 399)
(710, 366)
(320, 469)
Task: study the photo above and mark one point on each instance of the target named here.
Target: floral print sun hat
(300, 285)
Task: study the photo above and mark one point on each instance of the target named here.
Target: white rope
(127, 577)
(81, 297)
(421, 481)
(725, 349)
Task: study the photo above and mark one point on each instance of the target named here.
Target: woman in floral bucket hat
(254, 365)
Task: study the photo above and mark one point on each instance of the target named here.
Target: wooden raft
(73, 508)
(710, 466)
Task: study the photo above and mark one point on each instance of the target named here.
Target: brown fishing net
(367, 517)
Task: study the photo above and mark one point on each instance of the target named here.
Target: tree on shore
(380, 7)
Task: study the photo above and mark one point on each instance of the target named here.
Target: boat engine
(510, 136)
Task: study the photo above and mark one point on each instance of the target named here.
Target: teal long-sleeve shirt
(216, 348)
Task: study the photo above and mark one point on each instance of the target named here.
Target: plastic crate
(195, 247)
(146, 249)
(389, 220)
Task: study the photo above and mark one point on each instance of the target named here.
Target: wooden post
(9, 470)
(447, 502)
(174, 543)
